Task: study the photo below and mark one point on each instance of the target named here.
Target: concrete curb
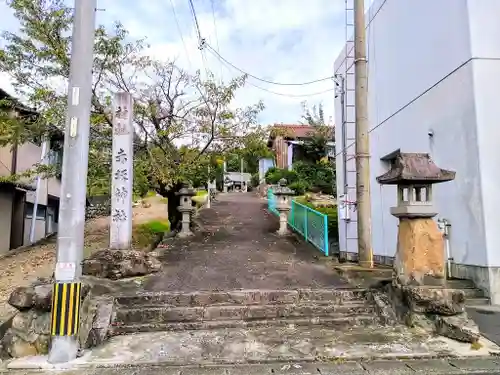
(386, 367)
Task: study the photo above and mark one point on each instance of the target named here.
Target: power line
(217, 38)
(180, 31)
(217, 54)
(290, 95)
(201, 41)
(196, 24)
(283, 94)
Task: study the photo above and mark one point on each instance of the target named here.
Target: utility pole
(37, 192)
(241, 174)
(363, 200)
(67, 286)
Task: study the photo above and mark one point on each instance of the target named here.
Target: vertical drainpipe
(37, 193)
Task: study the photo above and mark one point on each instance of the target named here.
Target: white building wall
(435, 66)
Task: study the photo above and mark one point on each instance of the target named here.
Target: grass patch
(150, 194)
(199, 200)
(164, 200)
(144, 235)
(201, 193)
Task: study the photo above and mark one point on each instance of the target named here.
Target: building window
(40, 214)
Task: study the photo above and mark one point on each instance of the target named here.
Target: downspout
(13, 170)
(37, 194)
(444, 225)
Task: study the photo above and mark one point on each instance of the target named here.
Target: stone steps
(241, 308)
(334, 321)
(242, 297)
(284, 345)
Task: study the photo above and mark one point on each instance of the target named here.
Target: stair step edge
(359, 319)
(350, 304)
(299, 295)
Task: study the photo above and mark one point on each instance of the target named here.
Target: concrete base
(185, 234)
(63, 349)
(420, 251)
(485, 278)
(266, 345)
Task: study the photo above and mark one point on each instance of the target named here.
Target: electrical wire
(195, 19)
(218, 55)
(180, 32)
(201, 40)
(290, 95)
(217, 39)
(283, 94)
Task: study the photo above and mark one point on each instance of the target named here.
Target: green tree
(170, 104)
(316, 146)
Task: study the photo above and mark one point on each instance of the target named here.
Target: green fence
(311, 224)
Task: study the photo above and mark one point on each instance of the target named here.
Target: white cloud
(281, 40)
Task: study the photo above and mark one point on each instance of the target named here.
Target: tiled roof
(294, 130)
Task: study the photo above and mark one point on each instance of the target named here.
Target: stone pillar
(420, 255)
(224, 184)
(186, 208)
(122, 173)
(283, 196)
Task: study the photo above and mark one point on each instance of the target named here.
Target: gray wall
(5, 220)
(433, 65)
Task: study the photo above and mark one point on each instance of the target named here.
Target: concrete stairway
(474, 296)
(364, 278)
(242, 309)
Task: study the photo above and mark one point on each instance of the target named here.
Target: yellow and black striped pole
(65, 309)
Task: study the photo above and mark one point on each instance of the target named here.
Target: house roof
(26, 111)
(289, 131)
(7, 185)
(4, 95)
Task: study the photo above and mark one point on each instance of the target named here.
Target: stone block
(22, 298)
(420, 251)
(118, 264)
(431, 300)
(458, 327)
(96, 321)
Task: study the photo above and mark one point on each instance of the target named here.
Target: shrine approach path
(236, 248)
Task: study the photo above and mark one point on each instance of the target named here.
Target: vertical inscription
(122, 173)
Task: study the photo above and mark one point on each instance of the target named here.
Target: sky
(286, 41)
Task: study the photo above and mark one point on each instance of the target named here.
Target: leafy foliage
(315, 147)
(170, 105)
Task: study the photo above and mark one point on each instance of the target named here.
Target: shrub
(255, 181)
(331, 212)
(300, 187)
(320, 175)
(146, 234)
(273, 175)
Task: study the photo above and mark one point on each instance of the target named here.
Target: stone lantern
(283, 204)
(420, 257)
(186, 208)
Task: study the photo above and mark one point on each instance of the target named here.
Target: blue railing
(311, 224)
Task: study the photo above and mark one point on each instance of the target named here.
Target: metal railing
(309, 223)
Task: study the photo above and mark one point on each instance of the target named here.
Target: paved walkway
(237, 248)
(488, 320)
(407, 367)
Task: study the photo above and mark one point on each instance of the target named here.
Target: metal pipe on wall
(445, 227)
(37, 193)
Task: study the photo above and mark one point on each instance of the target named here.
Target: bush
(255, 181)
(331, 212)
(320, 175)
(199, 200)
(273, 175)
(300, 187)
(146, 234)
